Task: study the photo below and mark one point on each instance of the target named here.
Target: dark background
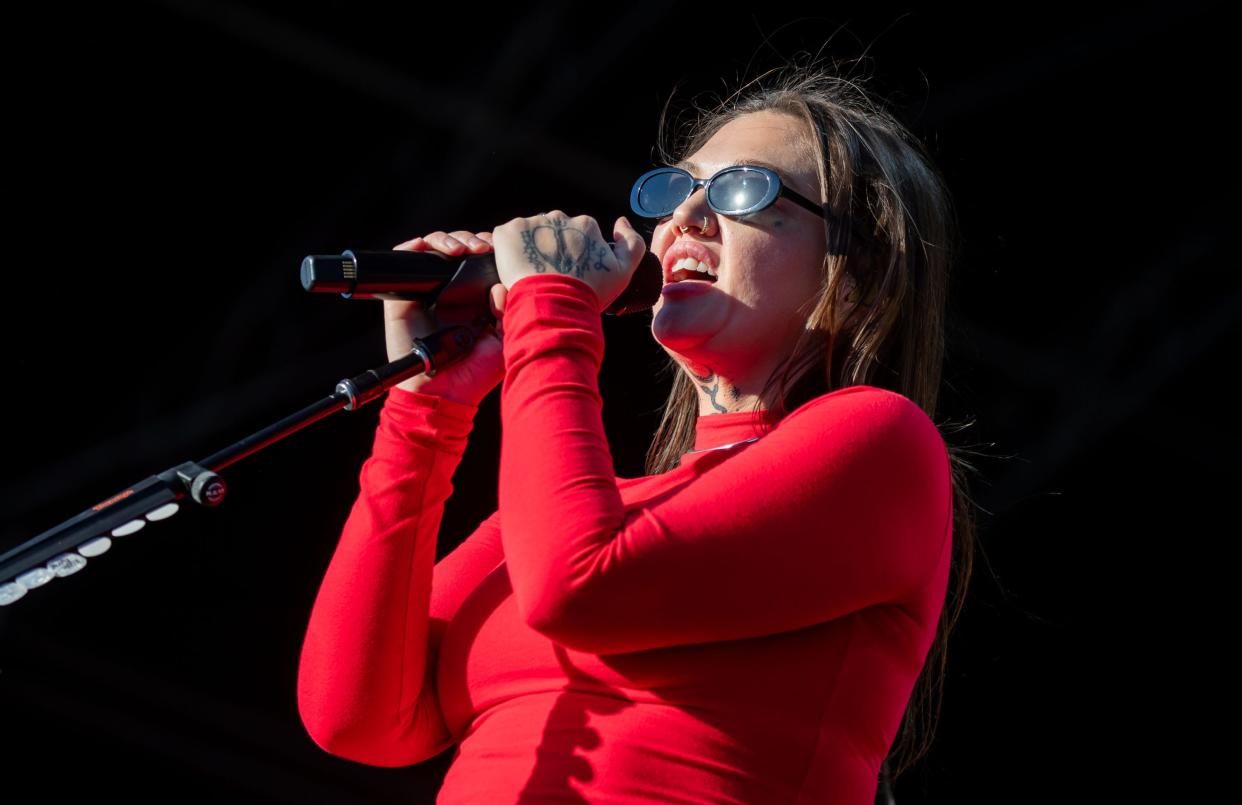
(169, 164)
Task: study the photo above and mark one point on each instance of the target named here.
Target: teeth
(690, 264)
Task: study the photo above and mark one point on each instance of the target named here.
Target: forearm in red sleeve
(846, 504)
(558, 492)
(365, 657)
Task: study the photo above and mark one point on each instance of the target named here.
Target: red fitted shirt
(745, 628)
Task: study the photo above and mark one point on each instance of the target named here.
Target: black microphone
(444, 281)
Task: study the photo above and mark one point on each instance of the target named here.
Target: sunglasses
(735, 191)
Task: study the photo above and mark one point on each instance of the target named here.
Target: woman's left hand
(557, 243)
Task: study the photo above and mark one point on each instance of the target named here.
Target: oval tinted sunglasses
(737, 191)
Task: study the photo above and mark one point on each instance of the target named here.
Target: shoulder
(892, 453)
(876, 427)
(866, 407)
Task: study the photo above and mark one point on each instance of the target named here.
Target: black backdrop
(169, 163)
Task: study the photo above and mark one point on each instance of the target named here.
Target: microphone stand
(64, 550)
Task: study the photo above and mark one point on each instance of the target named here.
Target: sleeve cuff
(551, 312)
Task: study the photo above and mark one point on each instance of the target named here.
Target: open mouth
(688, 269)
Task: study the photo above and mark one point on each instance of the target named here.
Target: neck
(724, 392)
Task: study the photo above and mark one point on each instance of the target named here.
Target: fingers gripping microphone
(454, 288)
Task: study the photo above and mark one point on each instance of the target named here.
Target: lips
(684, 287)
(687, 248)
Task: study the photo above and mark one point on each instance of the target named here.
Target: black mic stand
(459, 310)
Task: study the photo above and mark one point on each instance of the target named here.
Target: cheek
(764, 276)
(806, 269)
(782, 283)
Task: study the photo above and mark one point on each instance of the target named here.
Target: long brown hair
(893, 237)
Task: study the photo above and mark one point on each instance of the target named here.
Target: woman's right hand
(474, 376)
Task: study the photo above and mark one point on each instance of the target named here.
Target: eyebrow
(690, 166)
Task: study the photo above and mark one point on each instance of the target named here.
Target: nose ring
(703, 228)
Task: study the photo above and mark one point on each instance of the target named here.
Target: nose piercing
(703, 228)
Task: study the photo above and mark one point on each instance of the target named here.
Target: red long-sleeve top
(745, 628)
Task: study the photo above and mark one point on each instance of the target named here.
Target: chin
(675, 338)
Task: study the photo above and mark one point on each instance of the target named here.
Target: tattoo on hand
(584, 255)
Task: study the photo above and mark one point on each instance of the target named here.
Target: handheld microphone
(446, 282)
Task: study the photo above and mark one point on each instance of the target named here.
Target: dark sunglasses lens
(661, 193)
(738, 191)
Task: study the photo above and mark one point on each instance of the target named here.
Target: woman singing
(762, 616)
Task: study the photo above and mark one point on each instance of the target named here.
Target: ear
(848, 292)
(850, 304)
(852, 294)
